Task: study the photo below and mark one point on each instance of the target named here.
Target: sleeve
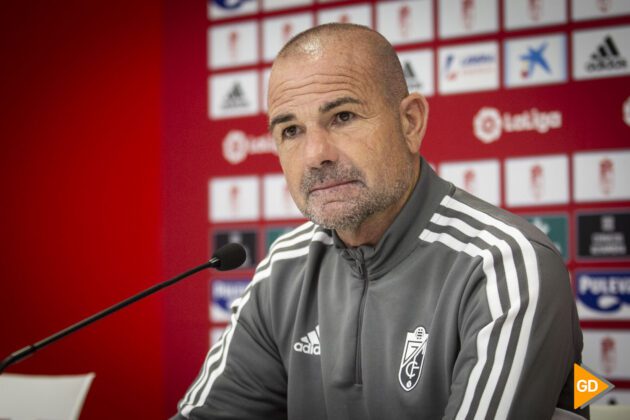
(243, 376)
(519, 336)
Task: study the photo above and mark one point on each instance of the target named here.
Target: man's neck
(374, 227)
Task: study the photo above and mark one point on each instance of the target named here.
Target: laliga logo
(489, 124)
(237, 146)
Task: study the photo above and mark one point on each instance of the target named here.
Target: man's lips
(331, 185)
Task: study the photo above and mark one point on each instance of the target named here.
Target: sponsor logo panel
(219, 9)
(237, 146)
(234, 199)
(215, 335)
(277, 31)
(284, 4)
(601, 176)
(233, 95)
(540, 180)
(615, 397)
(606, 352)
(604, 235)
(469, 68)
(233, 45)
(598, 9)
(490, 123)
(247, 238)
(556, 227)
(273, 233)
(518, 14)
(603, 295)
(360, 15)
(404, 22)
(223, 294)
(278, 203)
(535, 61)
(480, 178)
(418, 70)
(468, 17)
(265, 74)
(601, 53)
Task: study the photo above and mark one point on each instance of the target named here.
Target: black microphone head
(230, 256)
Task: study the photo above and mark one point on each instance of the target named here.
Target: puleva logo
(604, 292)
(412, 358)
(587, 387)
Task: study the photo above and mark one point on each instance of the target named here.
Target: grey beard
(357, 209)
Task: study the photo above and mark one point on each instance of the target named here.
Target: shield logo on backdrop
(412, 358)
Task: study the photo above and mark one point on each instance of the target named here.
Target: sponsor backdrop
(529, 109)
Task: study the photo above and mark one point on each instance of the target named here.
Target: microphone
(228, 257)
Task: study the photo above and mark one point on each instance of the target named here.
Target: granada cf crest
(412, 358)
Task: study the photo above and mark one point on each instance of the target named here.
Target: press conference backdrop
(529, 110)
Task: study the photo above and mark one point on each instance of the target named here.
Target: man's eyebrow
(338, 102)
(282, 118)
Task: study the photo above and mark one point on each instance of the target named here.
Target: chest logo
(412, 358)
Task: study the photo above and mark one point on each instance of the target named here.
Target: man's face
(340, 143)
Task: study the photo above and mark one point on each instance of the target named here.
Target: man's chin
(345, 221)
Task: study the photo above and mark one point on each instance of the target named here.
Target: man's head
(346, 129)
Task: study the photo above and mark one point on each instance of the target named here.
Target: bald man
(404, 297)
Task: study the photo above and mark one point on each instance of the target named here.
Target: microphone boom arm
(232, 261)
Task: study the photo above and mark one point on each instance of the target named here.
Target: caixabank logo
(603, 295)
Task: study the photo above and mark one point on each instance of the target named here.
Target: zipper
(358, 379)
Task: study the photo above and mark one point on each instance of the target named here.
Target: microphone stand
(30, 349)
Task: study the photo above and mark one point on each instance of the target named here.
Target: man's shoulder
(489, 216)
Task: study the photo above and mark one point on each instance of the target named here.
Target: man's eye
(289, 132)
(343, 117)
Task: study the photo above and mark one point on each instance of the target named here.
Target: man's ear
(414, 111)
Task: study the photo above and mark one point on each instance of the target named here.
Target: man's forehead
(293, 77)
(317, 92)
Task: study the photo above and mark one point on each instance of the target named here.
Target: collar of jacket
(402, 237)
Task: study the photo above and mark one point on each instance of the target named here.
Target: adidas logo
(235, 98)
(606, 57)
(309, 344)
(413, 84)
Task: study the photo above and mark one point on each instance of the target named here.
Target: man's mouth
(331, 186)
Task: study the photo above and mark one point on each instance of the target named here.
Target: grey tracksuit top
(462, 310)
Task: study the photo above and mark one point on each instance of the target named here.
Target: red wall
(80, 182)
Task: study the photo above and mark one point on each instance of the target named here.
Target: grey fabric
(461, 309)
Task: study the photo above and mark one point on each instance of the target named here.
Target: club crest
(412, 358)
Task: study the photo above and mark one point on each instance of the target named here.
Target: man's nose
(319, 149)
